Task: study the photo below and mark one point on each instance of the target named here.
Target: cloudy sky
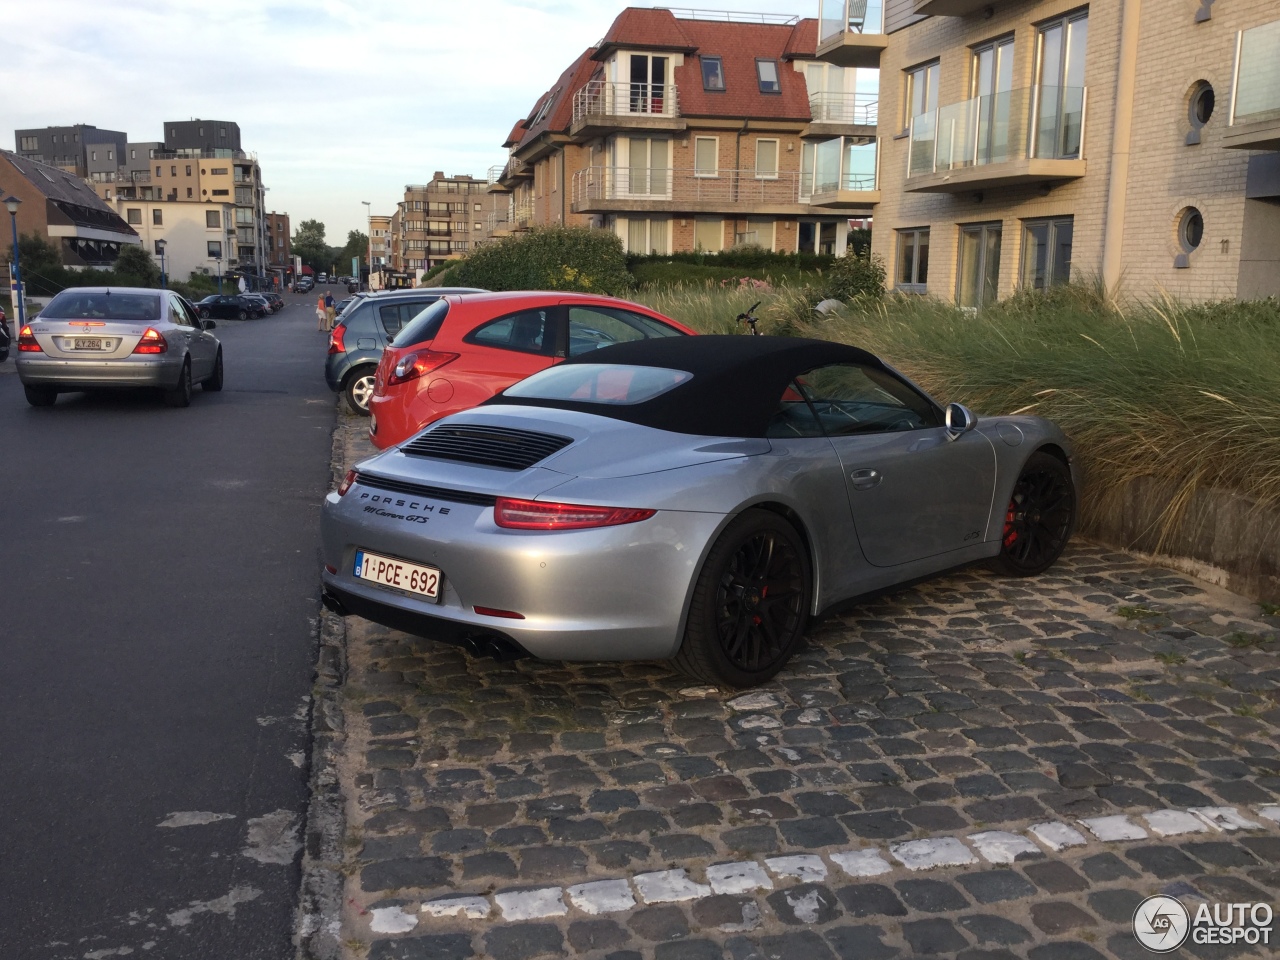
(343, 100)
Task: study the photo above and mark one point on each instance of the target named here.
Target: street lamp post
(12, 205)
(160, 244)
(368, 239)
(218, 261)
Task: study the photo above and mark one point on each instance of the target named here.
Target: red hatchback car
(461, 351)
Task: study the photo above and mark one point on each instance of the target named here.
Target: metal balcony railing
(836, 17)
(1041, 122)
(851, 108)
(1256, 95)
(495, 221)
(684, 185)
(494, 175)
(522, 213)
(605, 98)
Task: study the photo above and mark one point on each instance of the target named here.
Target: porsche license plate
(390, 572)
(88, 343)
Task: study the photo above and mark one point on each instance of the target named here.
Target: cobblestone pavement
(974, 767)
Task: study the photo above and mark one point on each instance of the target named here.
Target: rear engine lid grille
(423, 490)
(500, 447)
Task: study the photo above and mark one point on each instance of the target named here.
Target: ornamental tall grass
(1188, 395)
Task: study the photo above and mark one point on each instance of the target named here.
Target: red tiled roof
(560, 113)
(804, 40)
(739, 45)
(639, 27)
(514, 136)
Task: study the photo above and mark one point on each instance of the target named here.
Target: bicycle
(750, 318)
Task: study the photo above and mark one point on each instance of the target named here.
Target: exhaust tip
(332, 604)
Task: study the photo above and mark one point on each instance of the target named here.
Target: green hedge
(548, 258)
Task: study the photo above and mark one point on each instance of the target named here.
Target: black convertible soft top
(736, 386)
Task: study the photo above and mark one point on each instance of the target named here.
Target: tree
(135, 268)
(308, 243)
(357, 247)
(41, 265)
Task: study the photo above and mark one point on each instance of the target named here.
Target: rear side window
(610, 383)
(591, 328)
(529, 331)
(424, 326)
(794, 417)
(396, 316)
(86, 305)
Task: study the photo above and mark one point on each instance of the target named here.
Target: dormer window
(712, 73)
(767, 74)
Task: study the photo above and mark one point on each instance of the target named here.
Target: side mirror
(208, 324)
(960, 420)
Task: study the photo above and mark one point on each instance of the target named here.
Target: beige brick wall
(1165, 175)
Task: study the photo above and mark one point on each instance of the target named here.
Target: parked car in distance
(696, 499)
(6, 338)
(304, 284)
(261, 300)
(230, 307)
(363, 331)
(464, 350)
(276, 301)
(91, 338)
(322, 278)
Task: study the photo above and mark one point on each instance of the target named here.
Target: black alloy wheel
(180, 396)
(1039, 519)
(204, 313)
(214, 383)
(243, 315)
(750, 604)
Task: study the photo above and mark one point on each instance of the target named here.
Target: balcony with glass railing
(954, 8)
(842, 173)
(601, 106)
(1255, 103)
(1029, 135)
(851, 32)
(602, 189)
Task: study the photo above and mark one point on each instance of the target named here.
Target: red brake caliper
(1010, 532)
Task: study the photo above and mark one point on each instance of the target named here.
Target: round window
(1202, 101)
(1190, 229)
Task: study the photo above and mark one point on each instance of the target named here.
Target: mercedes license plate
(400, 574)
(88, 343)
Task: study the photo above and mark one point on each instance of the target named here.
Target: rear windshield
(422, 327)
(103, 305)
(609, 383)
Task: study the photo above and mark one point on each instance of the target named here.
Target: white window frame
(777, 157)
(662, 224)
(719, 222)
(700, 172)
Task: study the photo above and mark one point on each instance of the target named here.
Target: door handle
(865, 479)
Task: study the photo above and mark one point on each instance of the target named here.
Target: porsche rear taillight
(151, 342)
(538, 515)
(27, 341)
(346, 483)
(335, 339)
(413, 365)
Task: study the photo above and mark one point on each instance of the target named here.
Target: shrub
(576, 259)
(135, 268)
(853, 276)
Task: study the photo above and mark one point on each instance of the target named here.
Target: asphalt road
(158, 598)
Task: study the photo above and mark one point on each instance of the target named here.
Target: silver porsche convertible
(697, 499)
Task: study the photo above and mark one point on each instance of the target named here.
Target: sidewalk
(971, 767)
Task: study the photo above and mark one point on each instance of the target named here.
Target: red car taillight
(27, 341)
(413, 365)
(151, 342)
(535, 515)
(335, 340)
(346, 483)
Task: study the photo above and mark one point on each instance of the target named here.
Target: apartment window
(222, 131)
(767, 75)
(188, 169)
(648, 236)
(134, 215)
(913, 261)
(133, 154)
(111, 154)
(478, 226)
(1046, 252)
(173, 170)
(93, 154)
(648, 83)
(158, 247)
(159, 171)
(979, 274)
(712, 74)
(1060, 55)
(201, 132)
(213, 219)
(708, 234)
(244, 216)
(921, 93)
(30, 143)
(218, 171)
(647, 168)
(214, 249)
(766, 159)
(151, 153)
(222, 193)
(157, 217)
(759, 233)
(706, 156)
(107, 194)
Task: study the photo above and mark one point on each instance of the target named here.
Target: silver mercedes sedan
(91, 338)
(698, 499)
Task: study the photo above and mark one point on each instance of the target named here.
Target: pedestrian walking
(320, 313)
(330, 311)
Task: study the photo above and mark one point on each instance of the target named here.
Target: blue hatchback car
(364, 328)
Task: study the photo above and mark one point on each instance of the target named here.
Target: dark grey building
(69, 148)
(187, 135)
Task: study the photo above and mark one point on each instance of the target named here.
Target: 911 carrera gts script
(408, 518)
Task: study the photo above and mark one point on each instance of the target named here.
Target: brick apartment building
(439, 221)
(279, 242)
(1024, 142)
(699, 131)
